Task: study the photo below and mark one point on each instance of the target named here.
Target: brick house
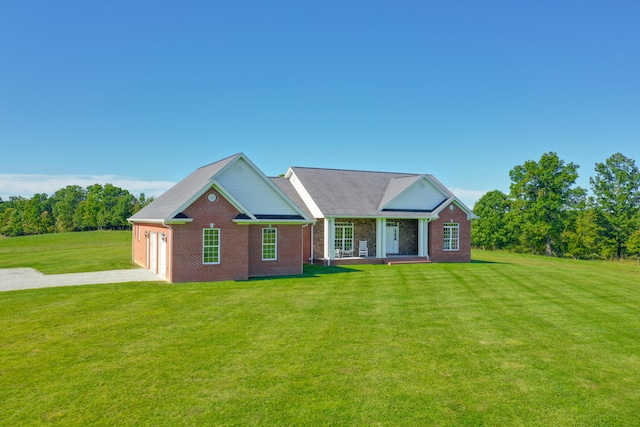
(379, 217)
(228, 221)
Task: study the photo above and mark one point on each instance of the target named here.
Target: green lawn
(506, 340)
(68, 252)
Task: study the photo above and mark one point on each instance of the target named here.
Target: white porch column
(423, 237)
(329, 238)
(420, 236)
(381, 237)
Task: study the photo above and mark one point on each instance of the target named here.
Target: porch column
(381, 237)
(423, 237)
(329, 238)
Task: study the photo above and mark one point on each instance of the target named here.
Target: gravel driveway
(12, 279)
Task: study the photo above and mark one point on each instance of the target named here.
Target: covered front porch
(370, 240)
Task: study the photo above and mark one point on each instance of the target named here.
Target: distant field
(505, 340)
(68, 252)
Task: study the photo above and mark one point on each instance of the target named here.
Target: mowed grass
(68, 252)
(506, 340)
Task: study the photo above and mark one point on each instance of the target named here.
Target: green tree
(11, 217)
(65, 202)
(616, 188)
(141, 202)
(582, 234)
(633, 245)
(542, 193)
(490, 229)
(36, 215)
(86, 214)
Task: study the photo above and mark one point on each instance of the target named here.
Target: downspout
(311, 240)
(169, 277)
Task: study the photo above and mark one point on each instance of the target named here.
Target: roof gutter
(273, 221)
(165, 222)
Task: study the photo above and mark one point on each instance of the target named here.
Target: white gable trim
(235, 202)
(457, 202)
(191, 200)
(304, 194)
(215, 185)
(197, 195)
(430, 180)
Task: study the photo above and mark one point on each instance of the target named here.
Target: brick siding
(289, 251)
(187, 249)
(436, 236)
(240, 245)
(141, 233)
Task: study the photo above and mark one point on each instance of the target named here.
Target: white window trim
(275, 244)
(204, 230)
(451, 226)
(339, 243)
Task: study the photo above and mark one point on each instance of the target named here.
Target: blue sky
(141, 93)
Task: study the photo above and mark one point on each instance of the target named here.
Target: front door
(393, 237)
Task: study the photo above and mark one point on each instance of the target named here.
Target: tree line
(546, 213)
(72, 208)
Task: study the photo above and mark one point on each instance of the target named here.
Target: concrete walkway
(12, 279)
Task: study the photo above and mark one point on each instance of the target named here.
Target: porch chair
(363, 251)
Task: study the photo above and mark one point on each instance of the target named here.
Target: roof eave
(273, 221)
(160, 221)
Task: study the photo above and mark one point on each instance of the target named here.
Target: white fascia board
(385, 215)
(457, 202)
(204, 189)
(191, 200)
(146, 221)
(274, 221)
(304, 194)
(160, 221)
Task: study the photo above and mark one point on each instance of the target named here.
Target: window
(344, 236)
(211, 246)
(451, 236)
(269, 244)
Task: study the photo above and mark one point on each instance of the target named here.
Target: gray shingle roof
(169, 204)
(352, 193)
(287, 188)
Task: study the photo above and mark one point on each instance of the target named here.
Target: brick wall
(240, 245)
(289, 251)
(436, 236)
(141, 235)
(187, 248)
(306, 243)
